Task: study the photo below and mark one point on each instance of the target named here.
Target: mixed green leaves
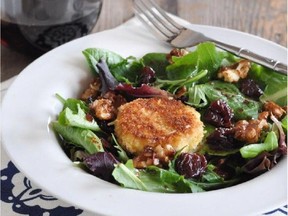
(157, 179)
(195, 72)
(253, 150)
(205, 57)
(123, 69)
(73, 126)
(274, 84)
(203, 94)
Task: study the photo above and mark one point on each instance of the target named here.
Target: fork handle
(247, 54)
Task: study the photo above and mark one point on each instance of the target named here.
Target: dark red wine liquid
(35, 40)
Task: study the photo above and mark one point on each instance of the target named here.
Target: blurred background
(264, 18)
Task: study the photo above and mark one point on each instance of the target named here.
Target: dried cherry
(223, 139)
(147, 75)
(105, 126)
(219, 114)
(190, 165)
(250, 88)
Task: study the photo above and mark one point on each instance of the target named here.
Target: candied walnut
(104, 109)
(274, 109)
(249, 131)
(181, 92)
(110, 95)
(164, 153)
(234, 72)
(146, 158)
(176, 52)
(92, 91)
(117, 99)
(159, 156)
(263, 115)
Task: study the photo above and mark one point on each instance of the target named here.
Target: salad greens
(205, 57)
(274, 84)
(203, 94)
(252, 150)
(226, 160)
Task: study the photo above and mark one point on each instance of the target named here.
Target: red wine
(35, 40)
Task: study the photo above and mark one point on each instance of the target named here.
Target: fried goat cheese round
(158, 121)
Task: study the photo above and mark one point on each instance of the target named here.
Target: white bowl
(30, 104)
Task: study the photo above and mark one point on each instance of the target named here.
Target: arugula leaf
(80, 137)
(173, 85)
(197, 96)
(122, 154)
(252, 150)
(152, 179)
(171, 181)
(210, 175)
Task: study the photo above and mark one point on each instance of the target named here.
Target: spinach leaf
(252, 150)
(275, 84)
(93, 56)
(203, 94)
(67, 117)
(72, 104)
(205, 57)
(74, 114)
(123, 69)
(127, 70)
(126, 176)
(284, 123)
(158, 62)
(80, 137)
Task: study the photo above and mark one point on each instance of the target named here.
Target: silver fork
(157, 20)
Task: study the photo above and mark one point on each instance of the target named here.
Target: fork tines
(150, 14)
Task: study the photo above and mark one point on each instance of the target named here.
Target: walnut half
(274, 109)
(234, 72)
(159, 156)
(106, 107)
(249, 131)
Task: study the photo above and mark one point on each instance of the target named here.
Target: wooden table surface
(264, 18)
